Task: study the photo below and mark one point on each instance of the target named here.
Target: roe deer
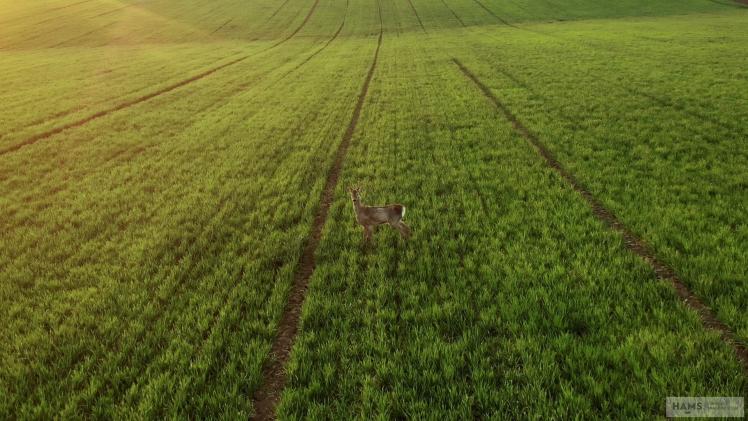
(371, 216)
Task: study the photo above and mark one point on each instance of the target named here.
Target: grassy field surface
(162, 163)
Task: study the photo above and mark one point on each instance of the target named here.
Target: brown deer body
(369, 217)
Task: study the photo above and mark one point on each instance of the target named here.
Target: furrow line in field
(39, 34)
(274, 377)
(278, 9)
(491, 12)
(632, 241)
(306, 19)
(179, 289)
(136, 101)
(454, 14)
(74, 109)
(111, 11)
(126, 104)
(222, 26)
(191, 249)
(244, 87)
(653, 98)
(176, 291)
(415, 12)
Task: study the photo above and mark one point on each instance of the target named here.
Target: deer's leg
(404, 229)
(367, 233)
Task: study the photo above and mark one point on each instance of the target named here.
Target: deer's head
(355, 192)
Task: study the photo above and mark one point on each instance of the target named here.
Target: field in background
(162, 163)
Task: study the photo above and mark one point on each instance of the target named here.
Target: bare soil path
(274, 375)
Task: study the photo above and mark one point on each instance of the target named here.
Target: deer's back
(370, 215)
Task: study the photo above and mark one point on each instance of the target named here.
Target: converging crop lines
(155, 261)
(243, 88)
(303, 23)
(314, 54)
(274, 376)
(45, 135)
(632, 242)
(80, 14)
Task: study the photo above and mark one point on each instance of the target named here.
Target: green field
(164, 166)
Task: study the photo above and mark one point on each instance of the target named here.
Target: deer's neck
(357, 205)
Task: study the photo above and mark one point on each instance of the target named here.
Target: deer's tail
(400, 209)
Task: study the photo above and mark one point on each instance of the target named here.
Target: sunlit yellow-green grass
(162, 163)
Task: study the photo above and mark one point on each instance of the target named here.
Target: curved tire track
(631, 240)
(278, 9)
(314, 54)
(274, 377)
(306, 19)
